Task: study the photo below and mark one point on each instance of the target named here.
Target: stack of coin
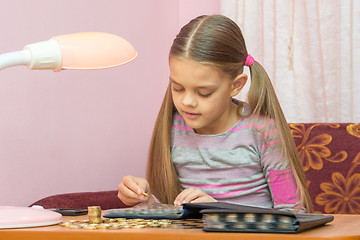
(94, 213)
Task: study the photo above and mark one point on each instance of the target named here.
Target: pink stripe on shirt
(283, 186)
(237, 172)
(271, 132)
(214, 186)
(247, 126)
(178, 117)
(183, 128)
(270, 144)
(233, 193)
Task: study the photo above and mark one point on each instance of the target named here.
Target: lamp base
(23, 217)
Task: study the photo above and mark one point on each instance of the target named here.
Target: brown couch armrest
(81, 200)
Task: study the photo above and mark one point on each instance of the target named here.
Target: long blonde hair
(216, 40)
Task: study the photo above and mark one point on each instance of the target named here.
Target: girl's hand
(132, 189)
(192, 195)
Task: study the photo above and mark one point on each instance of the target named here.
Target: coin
(94, 213)
(116, 224)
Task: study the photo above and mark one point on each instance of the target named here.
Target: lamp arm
(14, 59)
(40, 55)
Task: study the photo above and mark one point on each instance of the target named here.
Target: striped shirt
(243, 165)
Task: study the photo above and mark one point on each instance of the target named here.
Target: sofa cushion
(330, 154)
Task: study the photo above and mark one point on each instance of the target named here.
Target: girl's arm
(283, 190)
(277, 172)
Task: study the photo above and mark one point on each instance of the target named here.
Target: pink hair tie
(249, 60)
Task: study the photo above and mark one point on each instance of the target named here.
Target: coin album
(233, 221)
(226, 217)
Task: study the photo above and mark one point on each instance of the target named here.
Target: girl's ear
(238, 83)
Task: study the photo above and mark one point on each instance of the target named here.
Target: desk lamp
(86, 50)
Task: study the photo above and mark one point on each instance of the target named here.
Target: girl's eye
(205, 95)
(177, 89)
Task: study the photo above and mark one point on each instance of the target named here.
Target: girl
(207, 146)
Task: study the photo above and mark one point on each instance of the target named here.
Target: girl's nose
(189, 100)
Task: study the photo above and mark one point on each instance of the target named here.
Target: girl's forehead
(185, 68)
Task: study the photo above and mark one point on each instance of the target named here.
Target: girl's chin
(196, 126)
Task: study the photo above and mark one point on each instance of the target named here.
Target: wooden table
(343, 227)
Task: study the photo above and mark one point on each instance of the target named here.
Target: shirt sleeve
(277, 171)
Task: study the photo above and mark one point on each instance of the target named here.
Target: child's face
(202, 95)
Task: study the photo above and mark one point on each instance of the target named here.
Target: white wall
(83, 130)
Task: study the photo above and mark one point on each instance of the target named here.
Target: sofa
(330, 155)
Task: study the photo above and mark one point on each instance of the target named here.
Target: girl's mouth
(191, 116)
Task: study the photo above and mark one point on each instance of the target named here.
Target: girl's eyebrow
(200, 87)
(172, 80)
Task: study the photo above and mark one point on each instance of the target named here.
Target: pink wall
(83, 130)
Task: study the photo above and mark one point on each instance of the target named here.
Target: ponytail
(161, 173)
(263, 101)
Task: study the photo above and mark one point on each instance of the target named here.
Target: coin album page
(146, 211)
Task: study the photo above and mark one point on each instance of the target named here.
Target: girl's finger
(132, 184)
(193, 195)
(188, 195)
(126, 192)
